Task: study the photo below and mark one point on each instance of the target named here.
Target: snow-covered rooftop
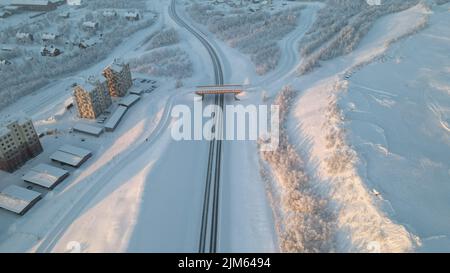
(66, 158)
(45, 175)
(129, 100)
(32, 2)
(89, 129)
(109, 13)
(90, 24)
(71, 155)
(117, 65)
(22, 35)
(91, 83)
(49, 36)
(114, 120)
(18, 199)
(74, 150)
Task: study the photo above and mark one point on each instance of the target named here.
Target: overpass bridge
(219, 90)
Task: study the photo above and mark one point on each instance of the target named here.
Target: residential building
(132, 16)
(24, 37)
(49, 37)
(50, 51)
(92, 99)
(90, 25)
(109, 13)
(118, 76)
(19, 142)
(88, 43)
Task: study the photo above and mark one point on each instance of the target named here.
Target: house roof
(49, 36)
(132, 13)
(90, 24)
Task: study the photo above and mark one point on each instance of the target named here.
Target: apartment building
(92, 99)
(118, 76)
(19, 142)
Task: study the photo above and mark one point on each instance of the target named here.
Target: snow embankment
(316, 126)
(398, 113)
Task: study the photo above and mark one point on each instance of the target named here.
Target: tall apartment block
(19, 143)
(92, 99)
(119, 79)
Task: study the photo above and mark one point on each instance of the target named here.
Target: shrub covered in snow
(340, 26)
(303, 216)
(255, 34)
(163, 38)
(164, 62)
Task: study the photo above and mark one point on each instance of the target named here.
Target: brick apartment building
(119, 79)
(19, 143)
(92, 99)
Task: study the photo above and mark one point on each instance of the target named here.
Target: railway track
(208, 239)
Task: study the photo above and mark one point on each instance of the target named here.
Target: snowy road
(210, 218)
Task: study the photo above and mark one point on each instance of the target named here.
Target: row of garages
(19, 199)
(113, 121)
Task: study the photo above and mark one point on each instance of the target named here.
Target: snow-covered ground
(376, 104)
(398, 119)
(147, 194)
(371, 127)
